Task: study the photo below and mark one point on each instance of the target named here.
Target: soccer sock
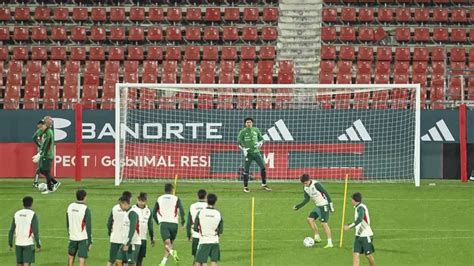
(246, 179)
(263, 174)
(317, 237)
(37, 174)
(163, 261)
(48, 180)
(329, 241)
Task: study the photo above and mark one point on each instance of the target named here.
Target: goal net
(368, 132)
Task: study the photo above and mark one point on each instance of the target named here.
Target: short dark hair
(81, 194)
(41, 122)
(127, 194)
(124, 199)
(304, 178)
(248, 118)
(211, 199)
(27, 202)
(357, 197)
(143, 196)
(201, 194)
(168, 188)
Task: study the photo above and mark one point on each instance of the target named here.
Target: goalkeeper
(250, 140)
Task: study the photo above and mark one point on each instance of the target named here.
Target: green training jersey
(37, 137)
(248, 138)
(47, 146)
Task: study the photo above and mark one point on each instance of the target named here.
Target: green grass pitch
(430, 225)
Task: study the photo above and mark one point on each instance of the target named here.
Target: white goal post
(370, 132)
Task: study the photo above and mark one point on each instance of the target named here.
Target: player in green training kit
(165, 213)
(115, 229)
(26, 231)
(210, 225)
(315, 191)
(47, 157)
(146, 225)
(250, 140)
(79, 226)
(131, 240)
(193, 211)
(37, 141)
(363, 243)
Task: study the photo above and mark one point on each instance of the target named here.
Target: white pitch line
(298, 229)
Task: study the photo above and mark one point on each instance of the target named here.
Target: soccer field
(430, 225)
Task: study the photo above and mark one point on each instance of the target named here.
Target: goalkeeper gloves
(259, 144)
(244, 150)
(36, 158)
(331, 207)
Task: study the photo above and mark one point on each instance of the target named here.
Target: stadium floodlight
(369, 131)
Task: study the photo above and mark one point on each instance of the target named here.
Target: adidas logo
(440, 132)
(278, 135)
(356, 132)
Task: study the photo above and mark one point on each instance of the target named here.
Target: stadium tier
(55, 54)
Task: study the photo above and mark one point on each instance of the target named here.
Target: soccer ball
(42, 187)
(308, 242)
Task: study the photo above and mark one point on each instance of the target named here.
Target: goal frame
(177, 86)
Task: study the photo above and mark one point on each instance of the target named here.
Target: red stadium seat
(366, 15)
(38, 53)
(229, 53)
(327, 66)
(193, 34)
(344, 67)
(364, 67)
(192, 53)
(248, 53)
(99, 14)
(440, 15)
(210, 53)
(402, 54)
(117, 34)
(20, 53)
(403, 15)
(137, 14)
(401, 68)
(136, 34)
(156, 14)
(52, 84)
(78, 34)
(213, 14)
(42, 14)
(96, 53)
(80, 14)
(348, 14)
(326, 78)
(231, 14)
(5, 14)
(4, 34)
(348, 34)
(421, 35)
(347, 53)
(39, 34)
(270, 14)
(379, 34)
(116, 53)
(135, 53)
(267, 52)
(249, 34)
(61, 14)
(117, 14)
(3, 55)
(173, 34)
(458, 55)
(155, 34)
(154, 53)
(250, 14)
(458, 15)
(385, 15)
(193, 14)
(58, 53)
(21, 34)
(422, 15)
(438, 67)
(366, 53)
(458, 35)
(454, 88)
(421, 54)
(384, 54)
(211, 34)
(98, 34)
(328, 34)
(328, 52)
(230, 34)
(173, 53)
(174, 14)
(382, 67)
(58, 34)
(402, 35)
(329, 15)
(78, 54)
(22, 14)
(438, 54)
